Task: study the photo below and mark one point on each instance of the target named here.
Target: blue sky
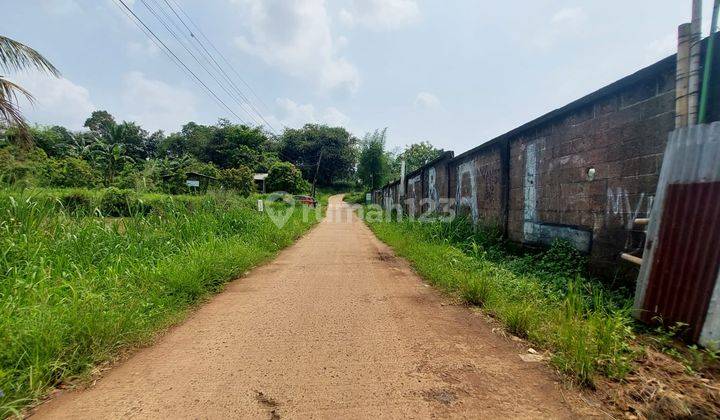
(454, 72)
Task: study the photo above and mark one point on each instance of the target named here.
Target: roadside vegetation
(543, 296)
(540, 296)
(584, 326)
(88, 274)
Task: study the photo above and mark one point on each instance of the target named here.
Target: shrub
(118, 203)
(69, 172)
(355, 198)
(238, 179)
(128, 178)
(284, 176)
(77, 202)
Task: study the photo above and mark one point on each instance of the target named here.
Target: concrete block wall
(587, 175)
(477, 185)
(583, 172)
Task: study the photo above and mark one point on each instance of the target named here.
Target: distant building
(259, 179)
(196, 182)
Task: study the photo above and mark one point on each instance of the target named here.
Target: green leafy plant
(238, 179)
(117, 203)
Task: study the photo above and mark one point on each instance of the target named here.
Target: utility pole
(317, 169)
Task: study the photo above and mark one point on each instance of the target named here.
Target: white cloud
(426, 100)
(58, 101)
(570, 15)
(296, 37)
(296, 115)
(155, 104)
(381, 14)
(564, 24)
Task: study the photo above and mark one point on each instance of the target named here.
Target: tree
(192, 139)
(284, 176)
(100, 121)
(16, 57)
(238, 179)
(373, 168)
(232, 145)
(111, 158)
(415, 155)
(53, 140)
(303, 146)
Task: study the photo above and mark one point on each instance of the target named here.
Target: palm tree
(14, 57)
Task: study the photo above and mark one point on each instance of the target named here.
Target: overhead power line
(194, 57)
(222, 56)
(208, 54)
(159, 42)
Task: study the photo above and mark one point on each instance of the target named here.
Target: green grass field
(77, 288)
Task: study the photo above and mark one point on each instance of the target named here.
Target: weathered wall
(621, 137)
(583, 172)
(476, 184)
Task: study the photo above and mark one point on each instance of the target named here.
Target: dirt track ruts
(336, 326)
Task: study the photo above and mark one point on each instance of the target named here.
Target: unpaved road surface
(335, 327)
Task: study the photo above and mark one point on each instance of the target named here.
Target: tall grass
(76, 288)
(539, 296)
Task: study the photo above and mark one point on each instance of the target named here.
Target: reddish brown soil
(336, 326)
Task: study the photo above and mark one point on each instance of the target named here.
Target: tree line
(124, 155)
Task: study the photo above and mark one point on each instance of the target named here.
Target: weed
(476, 290)
(76, 288)
(538, 295)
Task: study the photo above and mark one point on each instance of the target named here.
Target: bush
(119, 203)
(284, 176)
(77, 202)
(69, 172)
(128, 178)
(355, 198)
(238, 179)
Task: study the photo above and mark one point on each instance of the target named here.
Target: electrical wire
(212, 45)
(159, 42)
(209, 55)
(182, 44)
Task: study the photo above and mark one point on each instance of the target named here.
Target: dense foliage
(284, 176)
(109, 153)
(373, 166)
(333, 147)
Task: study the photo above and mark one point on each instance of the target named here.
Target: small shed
(259, 179)
(198, 182)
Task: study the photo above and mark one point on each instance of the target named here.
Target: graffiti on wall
(491, 181)
(466, 192)
(433, 194)
(534, 231)
(619, 204)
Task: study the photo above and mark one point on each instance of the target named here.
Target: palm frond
(16, 56)
(9, 109)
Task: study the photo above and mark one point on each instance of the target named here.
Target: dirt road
(335, 327)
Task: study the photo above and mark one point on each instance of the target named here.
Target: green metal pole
(705, 90)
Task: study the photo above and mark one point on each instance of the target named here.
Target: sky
(455, 73)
